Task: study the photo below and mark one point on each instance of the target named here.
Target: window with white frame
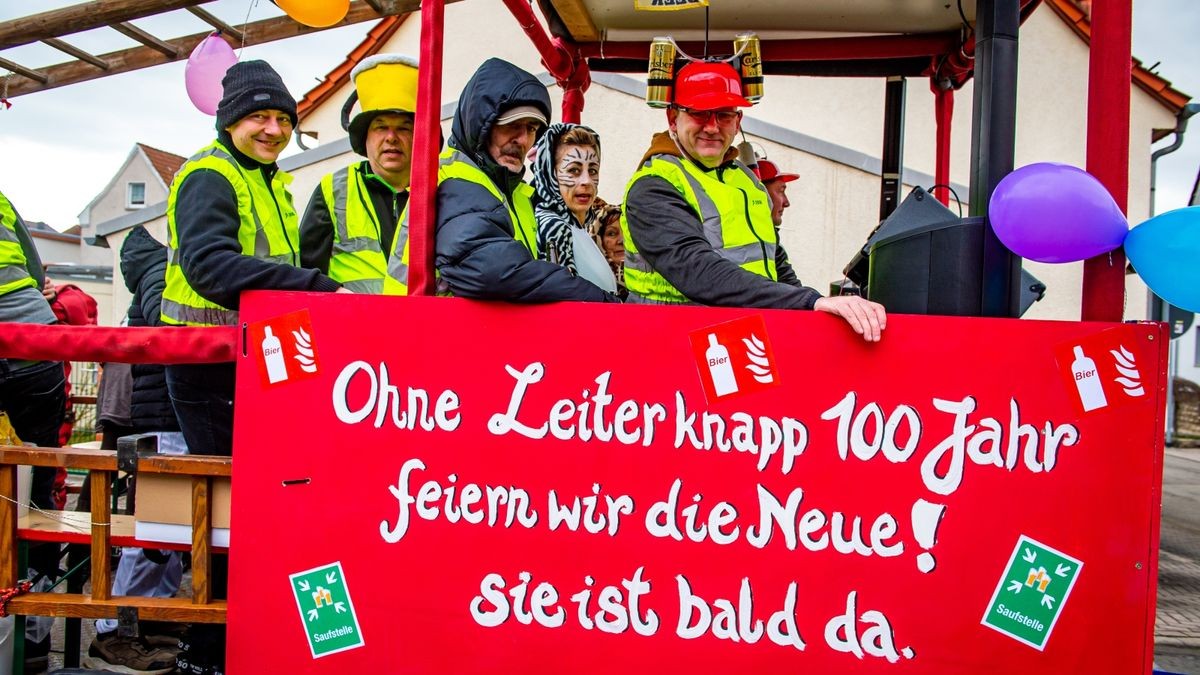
(135, 196)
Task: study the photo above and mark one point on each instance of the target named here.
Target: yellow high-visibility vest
(13, 273)
(267, 227)
(454, 164)
(735, 217)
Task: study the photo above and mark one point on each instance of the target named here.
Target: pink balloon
(205, 69)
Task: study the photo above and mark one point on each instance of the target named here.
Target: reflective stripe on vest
(454, 164)
(267, 234)
(357, 260)
(13, 274)
(729, 204)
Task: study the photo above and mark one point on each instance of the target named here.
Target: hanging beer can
(660, 76)
(750, 65)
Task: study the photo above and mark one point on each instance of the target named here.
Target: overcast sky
(61, 147)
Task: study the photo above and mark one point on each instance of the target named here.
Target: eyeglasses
(724, 118)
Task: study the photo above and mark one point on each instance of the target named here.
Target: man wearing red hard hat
(776, 185)
(698, 223)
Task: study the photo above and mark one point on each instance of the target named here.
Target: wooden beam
(23, 71)
(202, 589)
(81, 17)
(101, 552)
(83, 607)
(220, 25)
(106, 460)
(129, 30)
(575, 17)
(82, 56)
(8, 526)
(259, 32)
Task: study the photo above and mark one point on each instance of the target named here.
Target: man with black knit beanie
(231, 228)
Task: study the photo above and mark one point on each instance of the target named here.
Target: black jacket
(316, 229)
(476, 253)
(206, 223)
(144, 266)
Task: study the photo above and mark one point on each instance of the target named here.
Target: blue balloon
(1055, 213)
(1164, 250)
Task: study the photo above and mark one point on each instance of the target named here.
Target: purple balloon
(1056, 213)
(205, 69)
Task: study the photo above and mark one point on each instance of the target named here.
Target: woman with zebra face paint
(566, 178)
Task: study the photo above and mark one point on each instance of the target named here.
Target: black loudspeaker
(919, 209)
(925, 259)
(1032, 290)
(932, 268)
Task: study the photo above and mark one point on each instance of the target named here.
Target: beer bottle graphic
(273, 356)
(719, 367)
(1087, 381)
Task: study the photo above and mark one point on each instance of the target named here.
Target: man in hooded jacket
(486, 233)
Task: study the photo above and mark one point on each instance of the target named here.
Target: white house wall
(112, 203)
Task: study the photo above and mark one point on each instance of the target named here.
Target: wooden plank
(69, 526)
(575, 17)
(101, 562)
(74, 527)
(195, 465)
(82, 400)
(220, 25)
(21, 70)
(8, 526)
(133, 32)
(81, 17)
(259, 32)
(86, 458)
(78, 53)
(201, 540)
(83, 607)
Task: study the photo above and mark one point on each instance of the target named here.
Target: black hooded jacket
(477, 254)
(144, 266)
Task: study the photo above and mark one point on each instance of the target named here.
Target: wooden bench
(102, 529)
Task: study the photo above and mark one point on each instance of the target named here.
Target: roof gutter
(1181, 122)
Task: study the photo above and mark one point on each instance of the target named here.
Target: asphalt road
(1177, 634)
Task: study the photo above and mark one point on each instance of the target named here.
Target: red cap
(702, 85)
(767, 171)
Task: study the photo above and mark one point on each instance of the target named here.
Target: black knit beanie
(250, 86)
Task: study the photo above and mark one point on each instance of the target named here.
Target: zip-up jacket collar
(663, 144)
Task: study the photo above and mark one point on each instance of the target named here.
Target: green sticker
(1031, 594)
(326, 610)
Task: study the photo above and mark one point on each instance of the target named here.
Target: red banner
(462, 487)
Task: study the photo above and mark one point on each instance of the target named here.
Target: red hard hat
(767, 171)
(703, 85)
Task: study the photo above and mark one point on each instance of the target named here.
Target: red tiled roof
(165, 164)
(1080, 21)
(372, 44)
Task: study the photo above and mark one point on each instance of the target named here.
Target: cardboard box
(164, 509)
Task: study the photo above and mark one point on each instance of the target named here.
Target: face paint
(577, 168)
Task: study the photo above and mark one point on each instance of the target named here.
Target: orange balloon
(315, 13)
